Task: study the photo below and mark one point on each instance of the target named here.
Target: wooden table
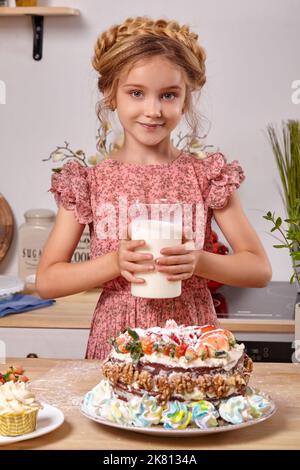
(62, 383)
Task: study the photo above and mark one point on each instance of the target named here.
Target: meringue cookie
(235, 410)
(176, 416)
(204, 414)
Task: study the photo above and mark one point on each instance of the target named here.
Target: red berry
(23, 378)
(167, 349)
(12, 377)
(18, 370)
(180, 350)
(206, 328)
(121, 343)
(214, 236)
(174, 338)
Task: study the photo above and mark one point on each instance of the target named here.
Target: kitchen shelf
(37, 15)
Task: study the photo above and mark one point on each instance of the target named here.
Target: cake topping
(16, 397)
(173, 341)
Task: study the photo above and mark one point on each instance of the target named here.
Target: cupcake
(18, 409)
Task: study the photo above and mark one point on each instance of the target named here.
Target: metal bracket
(38, 32)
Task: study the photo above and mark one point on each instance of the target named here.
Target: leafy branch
(62, 153)
(290, 236)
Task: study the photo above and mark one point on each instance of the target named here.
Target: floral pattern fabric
(206, 183)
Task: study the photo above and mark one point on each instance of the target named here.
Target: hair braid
(142, 25)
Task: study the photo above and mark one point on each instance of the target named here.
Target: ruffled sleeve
(71, 188)
(220, 179)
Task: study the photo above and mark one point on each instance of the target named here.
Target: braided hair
(119, 48)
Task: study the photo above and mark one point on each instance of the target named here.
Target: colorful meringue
(118, 410)
(235, 410)
(259, 404)
(100, 395)
(176, 416)
(204, 414)
(145, 411)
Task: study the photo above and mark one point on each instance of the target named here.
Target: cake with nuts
(176, 377)
(181, 363)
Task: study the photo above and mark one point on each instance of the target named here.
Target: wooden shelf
(37, 16)
(40, 11)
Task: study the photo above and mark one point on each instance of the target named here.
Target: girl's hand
(128, 259)
(179, 262)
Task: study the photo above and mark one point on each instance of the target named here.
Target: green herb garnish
(133, 334)
(221, 353)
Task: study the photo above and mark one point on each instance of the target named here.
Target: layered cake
(177, 376)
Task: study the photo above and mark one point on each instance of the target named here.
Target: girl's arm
(249, 265)
(56, 275)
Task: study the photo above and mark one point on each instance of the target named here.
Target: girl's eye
(172, 94)
(165, 94)
(134, 91)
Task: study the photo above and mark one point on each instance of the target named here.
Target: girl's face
(153, 92)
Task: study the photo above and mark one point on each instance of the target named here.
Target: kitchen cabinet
(61, 331)
(44, 342)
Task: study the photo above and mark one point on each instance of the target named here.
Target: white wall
(252, 61)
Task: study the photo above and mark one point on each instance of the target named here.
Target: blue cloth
(22, 303)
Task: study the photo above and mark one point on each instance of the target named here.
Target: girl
(147, 72)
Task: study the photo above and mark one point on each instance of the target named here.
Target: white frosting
(16, 397)
(226, 363)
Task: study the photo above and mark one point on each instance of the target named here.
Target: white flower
(198, 153)
(57, 156)
(94, 159)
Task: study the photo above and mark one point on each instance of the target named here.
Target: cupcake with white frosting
(18, 409)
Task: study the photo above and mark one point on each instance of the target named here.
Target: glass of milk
(160, 225)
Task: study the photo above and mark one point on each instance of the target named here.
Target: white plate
(49, 418)
(9, 285)
(188, 432)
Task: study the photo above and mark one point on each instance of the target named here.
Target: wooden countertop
(62, 383)
(76, 312)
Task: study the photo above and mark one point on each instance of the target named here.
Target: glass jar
(33, 235)
(82, 251)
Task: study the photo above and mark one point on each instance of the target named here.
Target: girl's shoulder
(214, 164)
(71, 188)
(217, 177)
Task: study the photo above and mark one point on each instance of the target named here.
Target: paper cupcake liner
(15, 424)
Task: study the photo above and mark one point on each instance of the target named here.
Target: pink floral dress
(208, 182)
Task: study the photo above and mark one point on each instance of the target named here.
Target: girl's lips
(152, 126)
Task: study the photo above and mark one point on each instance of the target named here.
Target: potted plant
(286, 149)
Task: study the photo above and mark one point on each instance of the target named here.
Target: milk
(157, 234)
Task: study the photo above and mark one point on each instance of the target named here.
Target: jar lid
(39, 214)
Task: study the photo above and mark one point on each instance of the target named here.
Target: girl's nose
(153, 108)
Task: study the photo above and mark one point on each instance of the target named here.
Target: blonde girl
(147, 72)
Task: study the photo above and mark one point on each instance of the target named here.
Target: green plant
(286, 149)
(290, 236)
